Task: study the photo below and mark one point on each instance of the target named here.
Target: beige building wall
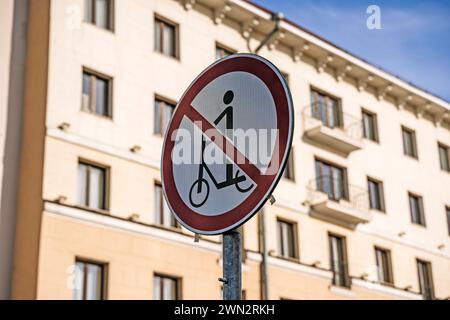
(135, 250)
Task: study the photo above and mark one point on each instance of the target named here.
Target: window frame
(339, 109)
(289, 169)
(412, 133)
(381, 199)
(166, 103)
(241, 230)
(347, 283)
(447, 160)
(93, 101)
(110, 15)
(105, 269)
(430, 278)
(157, 18)
(419, 198)
(161, 209)
(390, 272)
(373, 115)
(106, 189)
(162, 276)
(345, 187)
(295, 244)
(447, 214)
(221, 46)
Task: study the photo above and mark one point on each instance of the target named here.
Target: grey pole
(232, 274)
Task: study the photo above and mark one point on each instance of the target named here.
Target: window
(425, 279)
(99, 12)
(166, 37)
(409, 142)
(370, 128)
(384, 266)
(90, 281)
(444, 157)
(326, 109)
(222, 51)
(287, 241)
(92, 186)
(96, 94)
(376, 194)
(338, 256)
(163, 216)
(331, 180)
(416, 208)
(166, 288)
(289, 172)
(447, 211)
(163, 113)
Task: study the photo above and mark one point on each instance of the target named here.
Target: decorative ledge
(345, 138)
(348, 210)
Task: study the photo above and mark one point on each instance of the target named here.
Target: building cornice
(383, 84)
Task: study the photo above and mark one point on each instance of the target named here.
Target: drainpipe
(277, 17)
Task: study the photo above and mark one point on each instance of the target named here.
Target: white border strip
(111, 222)
(294, 266)
(386, 289)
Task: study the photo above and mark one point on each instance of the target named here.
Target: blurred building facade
(13, 40)
(362, 212)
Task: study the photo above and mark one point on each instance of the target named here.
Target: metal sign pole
(232, 273)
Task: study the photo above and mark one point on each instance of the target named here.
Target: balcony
(332, 128)
(338, 202)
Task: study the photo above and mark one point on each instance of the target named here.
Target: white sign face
(227, 143)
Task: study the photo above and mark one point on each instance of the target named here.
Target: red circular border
(281, 98)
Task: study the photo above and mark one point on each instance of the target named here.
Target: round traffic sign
(227, 143)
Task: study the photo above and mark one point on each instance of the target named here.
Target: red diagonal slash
(222, 142)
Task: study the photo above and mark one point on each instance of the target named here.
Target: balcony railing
(330, 126)
(339, 200)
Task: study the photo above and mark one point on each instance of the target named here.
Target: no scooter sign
(227, 144)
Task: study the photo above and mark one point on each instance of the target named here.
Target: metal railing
(336, 190)
(333, 118)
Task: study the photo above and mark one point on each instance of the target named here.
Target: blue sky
(413, 43)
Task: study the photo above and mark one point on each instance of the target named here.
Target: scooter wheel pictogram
(197, 199)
